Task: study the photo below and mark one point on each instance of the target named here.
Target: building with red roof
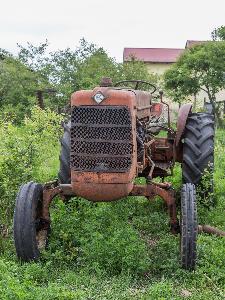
(158, 60)
(153, 55)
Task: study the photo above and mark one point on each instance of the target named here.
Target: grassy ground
(121, 250)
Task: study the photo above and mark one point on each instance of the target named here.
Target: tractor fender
(181, 121)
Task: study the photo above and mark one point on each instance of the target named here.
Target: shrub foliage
(28, 152)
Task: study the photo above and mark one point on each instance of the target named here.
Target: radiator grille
(101, 139)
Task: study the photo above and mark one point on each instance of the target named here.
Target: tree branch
(201, 88)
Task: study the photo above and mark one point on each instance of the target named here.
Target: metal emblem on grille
(98, 97)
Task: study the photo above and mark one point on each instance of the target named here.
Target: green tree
(201, 67)
(4, 54)
(17, 87)
(218, 34)
(63, 71)
(93, 68)
(99, 64)
(64, 68)
(38, 60)
(82, 68)
(70, 70)
(136, 69)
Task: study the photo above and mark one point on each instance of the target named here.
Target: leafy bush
(28, 152)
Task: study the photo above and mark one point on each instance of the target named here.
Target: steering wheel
(136, 83)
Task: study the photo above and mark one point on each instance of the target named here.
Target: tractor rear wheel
(188, 227)
(30, 230)
(198, 154)
(64, 170)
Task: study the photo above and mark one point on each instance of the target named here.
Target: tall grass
(119, 250)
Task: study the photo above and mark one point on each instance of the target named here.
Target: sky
(112, 25)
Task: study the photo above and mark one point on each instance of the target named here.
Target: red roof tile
(164, 55)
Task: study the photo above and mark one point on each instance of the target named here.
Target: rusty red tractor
(110, 140)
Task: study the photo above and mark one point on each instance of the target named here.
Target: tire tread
(189, 227)
(198, 149)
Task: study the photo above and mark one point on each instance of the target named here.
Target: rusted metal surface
(147, 158)
(50, 190)
(162, 150)
(144, 107)
(167, 105)
(181, 121)
(156, 109)
(160, 156)
(101, 192)
(111, 192)
(210, 230)
(66, 189)
(137, 84)
(84, 183)
(101, 139)
(97, 168)
(106, 82)
(178, 153)
(143, 104)
(166, 193)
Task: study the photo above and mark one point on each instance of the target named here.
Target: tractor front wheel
(30, 230)
(188, 227)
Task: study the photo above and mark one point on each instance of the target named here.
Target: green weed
(120, 250)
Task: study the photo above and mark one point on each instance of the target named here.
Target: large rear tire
(198, 154)
(64, 174)
(30, 230)
(188, 227)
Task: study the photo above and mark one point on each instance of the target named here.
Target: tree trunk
(212, 99)
(40, 100)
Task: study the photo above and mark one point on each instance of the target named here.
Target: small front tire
(188, 227)
(30, 230)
